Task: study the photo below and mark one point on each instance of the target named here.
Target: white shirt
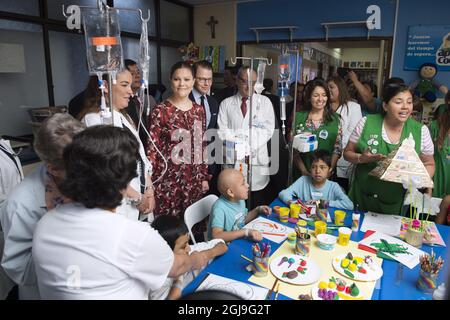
(197, 96)
(92, 119)
(82, 253)
(350, 116)
(10, 172)
(232, 123)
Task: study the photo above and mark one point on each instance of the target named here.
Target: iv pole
(250, 122)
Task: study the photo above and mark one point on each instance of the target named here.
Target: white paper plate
(311, 275)
(374, 271)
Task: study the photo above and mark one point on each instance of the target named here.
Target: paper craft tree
(403, 165)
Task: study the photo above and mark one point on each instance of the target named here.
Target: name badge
(239, 147)
(317, 195)
(323, 134)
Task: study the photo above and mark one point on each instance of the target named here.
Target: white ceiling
(206, 2)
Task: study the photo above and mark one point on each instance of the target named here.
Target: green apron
(369, 192)
(326, 136)
(441, 177)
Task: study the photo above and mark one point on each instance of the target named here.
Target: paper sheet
(384, 223)
(324, 259)
(400, 250)
(270, 230)
(244, 290)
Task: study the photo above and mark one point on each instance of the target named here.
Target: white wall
(360, 54)
(225, 30)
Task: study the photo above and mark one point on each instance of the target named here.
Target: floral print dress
(179, 137)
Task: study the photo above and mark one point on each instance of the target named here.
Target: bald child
(229, 214)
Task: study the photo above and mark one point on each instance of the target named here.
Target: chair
(198, 211)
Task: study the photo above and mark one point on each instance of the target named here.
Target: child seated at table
(229, 214)
(443, 216)
(176, 234)
(317, 186)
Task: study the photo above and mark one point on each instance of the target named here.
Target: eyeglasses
(204, 80)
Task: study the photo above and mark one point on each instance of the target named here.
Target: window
(130, 48)
(131, 21)
(174, 22)
(169, 56)
(20, 6)
(54, 7)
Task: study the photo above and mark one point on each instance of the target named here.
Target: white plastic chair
(198, 211)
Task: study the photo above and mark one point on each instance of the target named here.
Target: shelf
(259, 29)
(344, 24)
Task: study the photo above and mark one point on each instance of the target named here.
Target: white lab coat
(232, 124)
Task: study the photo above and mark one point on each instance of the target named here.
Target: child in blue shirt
(229, 214)
(317, 186)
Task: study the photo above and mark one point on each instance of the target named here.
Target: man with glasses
(200, 94)
(233, 122)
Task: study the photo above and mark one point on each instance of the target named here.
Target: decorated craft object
(403, 165)
(336, 289)
(302, 270)
(357, 268)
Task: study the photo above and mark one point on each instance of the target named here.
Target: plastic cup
(303, 245)
(427, 281)
(291, 237)
(320, 227)
(295, 210)
(339, 217)
(344, 236)
(284, 214)
(260, 266)
(276, 209)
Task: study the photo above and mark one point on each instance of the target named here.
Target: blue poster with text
(428, 44)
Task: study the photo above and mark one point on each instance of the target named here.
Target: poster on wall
(215, 55)
(428, 44)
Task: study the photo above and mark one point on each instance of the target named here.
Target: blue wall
(415, 12)
(308, 16)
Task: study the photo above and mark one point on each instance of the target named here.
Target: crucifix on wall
(212, 23)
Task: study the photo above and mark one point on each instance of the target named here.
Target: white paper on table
(409, 258)
(270, 230)
(244, 290)
(384, 223)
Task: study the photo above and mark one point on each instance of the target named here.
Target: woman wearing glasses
(374, 137)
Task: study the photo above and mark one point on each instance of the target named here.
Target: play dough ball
(331, 285)
(358, 260)
(345, 262)
(352, 267)
(322, 285)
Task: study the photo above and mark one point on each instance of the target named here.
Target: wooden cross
(212, 23)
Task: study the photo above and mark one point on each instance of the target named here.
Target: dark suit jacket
(213, 108)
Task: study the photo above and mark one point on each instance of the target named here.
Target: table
(398, 281)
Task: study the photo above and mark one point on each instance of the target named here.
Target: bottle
(439, 293)
(356, 216)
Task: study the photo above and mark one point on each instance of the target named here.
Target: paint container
(276, 209)
(291, 237)
(260, 266)
(326, 241)
(303, 245)
(284, 214)
(295, 210)
(339, 217)
(344, 236)
(320, 227)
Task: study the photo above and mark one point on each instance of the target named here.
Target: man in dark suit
(135, 105)
(229, 78)
(200, 94)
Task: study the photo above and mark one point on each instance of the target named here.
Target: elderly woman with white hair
(32, 198)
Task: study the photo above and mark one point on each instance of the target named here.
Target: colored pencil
(269, 293)
(274, 234)
(246, 258)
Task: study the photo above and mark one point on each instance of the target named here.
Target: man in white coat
(233, 122)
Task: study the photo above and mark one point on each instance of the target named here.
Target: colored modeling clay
(283, 260)
(354, 291)
(352, 267)
(349, 273)
(291, 261)
(345, 262)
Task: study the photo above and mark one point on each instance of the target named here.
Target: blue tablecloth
(398, 281)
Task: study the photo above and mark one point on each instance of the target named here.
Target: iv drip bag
(259, 87)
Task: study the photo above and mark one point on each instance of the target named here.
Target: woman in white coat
(139, 196)
(350, 113)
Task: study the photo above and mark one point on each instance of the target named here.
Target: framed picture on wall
(367, 64)
(346, 64)
(360, 64)
(353, 64)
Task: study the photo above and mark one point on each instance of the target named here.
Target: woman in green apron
(374, 138)
(319, 119)
(440, 131)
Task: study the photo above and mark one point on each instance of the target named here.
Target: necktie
(202, 100)
(244, 106)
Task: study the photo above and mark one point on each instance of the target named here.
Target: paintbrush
(278, 291)
(269, 294)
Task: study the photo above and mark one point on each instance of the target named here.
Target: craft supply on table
(295, 269)
(320, 227)
(339, 217)
(284, 214)
(326, 241)
(292, 237)
(357, 267)
(294, 210)
(344, 236)
(270, 230)
(429, 271)
(276, 210)
(356, 216)
(431, 236)
(261, 255)
(336, 289)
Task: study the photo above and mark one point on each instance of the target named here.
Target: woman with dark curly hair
(84, 249)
